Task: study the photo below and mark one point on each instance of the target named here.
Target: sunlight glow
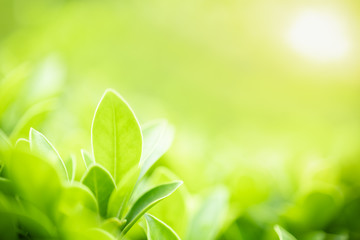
(319, 35)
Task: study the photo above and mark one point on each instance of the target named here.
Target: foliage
(41, 199)
(264, 137)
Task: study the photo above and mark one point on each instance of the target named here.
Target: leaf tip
(177, 184)
(32, 130)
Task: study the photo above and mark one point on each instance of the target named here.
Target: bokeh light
(319, 35)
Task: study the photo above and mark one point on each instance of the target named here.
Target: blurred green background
(273, 118)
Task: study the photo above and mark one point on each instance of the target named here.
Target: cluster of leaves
(40, 198)
(29, 97)
(44, 195)
(254, 139)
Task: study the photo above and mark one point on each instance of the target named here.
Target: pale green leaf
(147, 200)
(158, 230)
(116, 135)
(283, 234)
(40, 145)
(70, 164)
(88, 159)
(157, 138)
(100, 182)
(22, 144)
(207, 219)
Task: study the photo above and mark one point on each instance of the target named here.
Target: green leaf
(41, 145)
(70, 164)
(157, 138)
(209, 217)
(173, 210)
(158, 230)
(22, 144)
(118, 202)
(116, 135)
(147, 200)
(113, 225)
(100, 182)
(23, 218)
(283, 234)
(34, 222)
(75, 195)
(77, 210)
(88, 159)
(35, 180)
